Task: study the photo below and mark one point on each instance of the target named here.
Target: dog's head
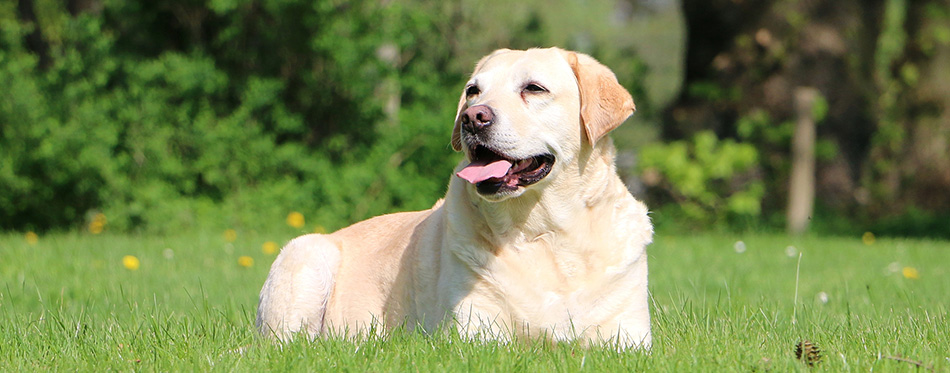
(523, 114)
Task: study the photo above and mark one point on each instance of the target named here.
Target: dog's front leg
(295, 296)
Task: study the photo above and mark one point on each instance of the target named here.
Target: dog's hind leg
(295, 296)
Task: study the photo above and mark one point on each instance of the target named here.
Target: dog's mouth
(494, 173)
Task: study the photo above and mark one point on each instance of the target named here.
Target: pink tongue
(479, 171)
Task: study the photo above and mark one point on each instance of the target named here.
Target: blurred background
(157, 116)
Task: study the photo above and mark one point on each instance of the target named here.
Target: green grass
(67, 303)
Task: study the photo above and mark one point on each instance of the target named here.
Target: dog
(536, 237)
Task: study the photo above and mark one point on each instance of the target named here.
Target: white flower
(791, 251)
(894, 267)
(739, 246)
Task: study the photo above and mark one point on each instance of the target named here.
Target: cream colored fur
(562, 259)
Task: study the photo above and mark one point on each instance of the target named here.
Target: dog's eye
(534, 88)
(472, 90)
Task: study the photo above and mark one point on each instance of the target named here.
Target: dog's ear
(605, 104)
(457, 130)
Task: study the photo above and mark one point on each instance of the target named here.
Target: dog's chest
(551, 280)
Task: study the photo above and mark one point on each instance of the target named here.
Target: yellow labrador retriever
(537, 235)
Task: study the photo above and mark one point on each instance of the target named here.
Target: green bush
(710, 180)
(232, 114)
(186, 138)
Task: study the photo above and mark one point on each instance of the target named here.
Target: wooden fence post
(801, 188)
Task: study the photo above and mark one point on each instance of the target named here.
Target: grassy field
(720, 303)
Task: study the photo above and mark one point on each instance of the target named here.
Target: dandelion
(911, 273)
(894, 267)
(245, 261)
(31, 238)
(319, 229)
(98, 223)
(868, 238)
(295, 219)
(791, 251)
(739, 247)
(168, 253)
(269, 247)
(130, 262)
(822, 297)
(230, 235)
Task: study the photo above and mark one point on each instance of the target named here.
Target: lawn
(75, 301)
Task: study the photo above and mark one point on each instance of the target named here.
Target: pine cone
(808, 352)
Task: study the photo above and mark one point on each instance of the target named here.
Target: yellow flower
(319, 229)
(130, 262)
(31, 238)
(245, 261)
(868, 238)
(269, 247)
(911, 273)
(295, 219)
(230, 235)
(98, 223)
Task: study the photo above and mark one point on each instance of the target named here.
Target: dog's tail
(295, 296)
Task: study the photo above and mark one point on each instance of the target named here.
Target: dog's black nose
(477, 118)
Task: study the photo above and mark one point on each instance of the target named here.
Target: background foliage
(163, 115)
(170, 114)
(883, 162)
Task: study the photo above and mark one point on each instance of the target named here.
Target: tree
(745, 60)
(909, 160)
